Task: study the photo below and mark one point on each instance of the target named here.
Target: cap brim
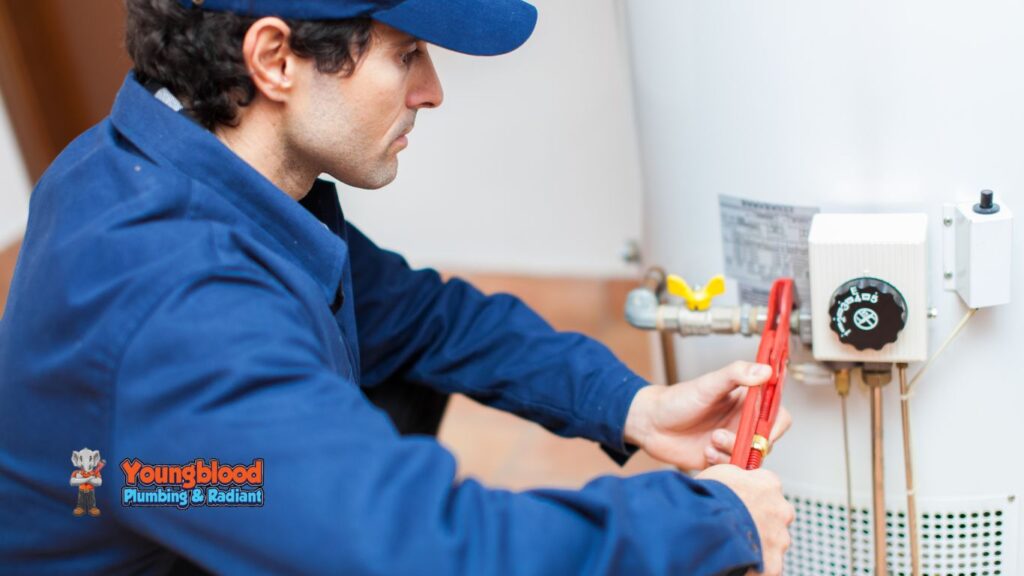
(478, 27)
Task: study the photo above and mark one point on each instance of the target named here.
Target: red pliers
(761, 405)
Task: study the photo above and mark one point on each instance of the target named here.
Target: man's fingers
(714, 456)
(720, 449)
(748, 373)
(739, 373)
(723, 440)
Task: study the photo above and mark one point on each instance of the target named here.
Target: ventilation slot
(962, 538)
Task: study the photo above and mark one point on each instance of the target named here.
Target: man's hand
(761, 492)
(692, 424)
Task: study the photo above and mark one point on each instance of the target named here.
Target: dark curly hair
(197, 54)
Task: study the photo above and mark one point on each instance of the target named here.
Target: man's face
(353, 126)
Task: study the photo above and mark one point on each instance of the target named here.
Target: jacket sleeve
(495, 349)
(228, 367)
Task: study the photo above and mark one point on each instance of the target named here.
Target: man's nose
(426, 91)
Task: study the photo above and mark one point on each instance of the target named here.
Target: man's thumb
(753, 374)
(744, 374)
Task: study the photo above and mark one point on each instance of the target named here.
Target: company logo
(196, 483)
(87, 478)
(854, 297)
(866, 319)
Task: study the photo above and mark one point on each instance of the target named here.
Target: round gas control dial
(867, 313)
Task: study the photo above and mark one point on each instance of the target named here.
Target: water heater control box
(982, 249)
(869, 293)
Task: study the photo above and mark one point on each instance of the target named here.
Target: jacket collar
(172, 138)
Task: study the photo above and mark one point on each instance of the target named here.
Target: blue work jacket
(171, 304)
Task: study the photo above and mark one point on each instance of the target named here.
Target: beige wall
(14, 184)
(14, 189)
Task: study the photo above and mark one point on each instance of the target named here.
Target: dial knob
(867, 313)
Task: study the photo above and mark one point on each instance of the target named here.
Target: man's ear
(269, 58)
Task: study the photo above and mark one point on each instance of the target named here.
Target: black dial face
(867, 313)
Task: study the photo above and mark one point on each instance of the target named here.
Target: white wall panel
(530, 165)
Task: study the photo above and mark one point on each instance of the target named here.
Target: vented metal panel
(963, 537)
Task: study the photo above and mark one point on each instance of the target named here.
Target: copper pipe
(654, 280)
(668, 354)
(842, 381)
(915, 557)
(878, 480)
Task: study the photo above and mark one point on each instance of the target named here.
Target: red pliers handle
(761, 405)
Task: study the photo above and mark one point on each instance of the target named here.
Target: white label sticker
(763, 241)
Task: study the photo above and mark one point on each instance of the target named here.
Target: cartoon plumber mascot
(87, 478)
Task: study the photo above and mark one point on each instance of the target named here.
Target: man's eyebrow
(403, 41)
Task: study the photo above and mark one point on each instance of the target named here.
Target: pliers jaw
(761, 406)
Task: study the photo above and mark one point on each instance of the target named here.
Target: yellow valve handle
(699, 298)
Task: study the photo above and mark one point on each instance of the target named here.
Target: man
(187, 289)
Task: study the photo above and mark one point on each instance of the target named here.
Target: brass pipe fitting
(760, 443)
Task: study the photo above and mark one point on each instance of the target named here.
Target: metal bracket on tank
(949, 247)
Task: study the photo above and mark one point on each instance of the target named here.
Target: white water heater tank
(753, 117)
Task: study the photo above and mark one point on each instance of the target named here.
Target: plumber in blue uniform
(189, 290)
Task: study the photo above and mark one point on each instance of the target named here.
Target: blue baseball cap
(479, 27)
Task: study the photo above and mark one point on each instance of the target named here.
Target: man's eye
(410, 55)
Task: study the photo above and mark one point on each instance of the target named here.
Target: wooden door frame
(23, 107)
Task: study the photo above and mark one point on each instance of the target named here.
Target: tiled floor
(503, 450)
